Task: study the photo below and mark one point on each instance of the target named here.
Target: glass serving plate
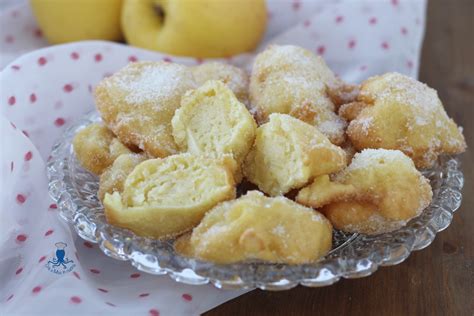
(353, 255)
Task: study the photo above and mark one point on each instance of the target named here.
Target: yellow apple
(199, 28)
(75, 20)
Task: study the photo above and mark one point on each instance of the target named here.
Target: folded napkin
(45, 91)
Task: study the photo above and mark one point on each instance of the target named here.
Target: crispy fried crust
(380, 191)
(257, 227)
(96, 147)
(396, 112)
(233, 77)
(113, 178)
(289, 153)
(138, 102)
(165, 197)
(212, 121)
(287, 78)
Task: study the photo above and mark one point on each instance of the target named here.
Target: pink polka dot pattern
(28, 156)
(320, 50)
(154, 312)
(21, 238)
(59, 122)
(68, 88)
(296, 5)
(11, 100)
(46, 90)
(9, 39)
(187, 297)
(20, 198)
(36, 289)
(75, 299)
(42, 61)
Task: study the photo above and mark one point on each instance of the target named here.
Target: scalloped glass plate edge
(358, 256)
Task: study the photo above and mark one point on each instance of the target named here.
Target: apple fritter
(255, 227)
(380, 191)
(96, 147)
(165, 197)
(113, 178)
(288, 153)
(212, 121)
(138, 102)
(394, 111)
(235, 78)
(291, 80)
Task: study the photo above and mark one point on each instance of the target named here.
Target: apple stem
(159, 11)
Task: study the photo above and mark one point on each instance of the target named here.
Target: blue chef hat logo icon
(60, 264)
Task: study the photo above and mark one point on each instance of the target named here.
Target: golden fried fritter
(235, 78)
(113, 178)
(165, 197)
(258, 227)
(288, 153)
(291, 80)
(380, 191)
(96, 147)
(138, 102)
(393, 111)
(212, 121)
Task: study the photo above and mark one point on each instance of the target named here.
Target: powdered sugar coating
(150, 84)
(291, 80)
(235, 78)
(246, 229)
(138, 102)
(397, 112)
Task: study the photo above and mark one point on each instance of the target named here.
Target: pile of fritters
(177, 141)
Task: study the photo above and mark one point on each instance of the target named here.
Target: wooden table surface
(438, 280)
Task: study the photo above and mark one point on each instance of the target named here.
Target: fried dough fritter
(258, 227)
(113, 178)
(165, 197)
(212, 121)
(96, 147)
(393, 111)
(233, 77)
(288, 153)
(380, 191)
(138, 102)
(291, 80)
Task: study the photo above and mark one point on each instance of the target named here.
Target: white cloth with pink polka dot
(44, 91)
